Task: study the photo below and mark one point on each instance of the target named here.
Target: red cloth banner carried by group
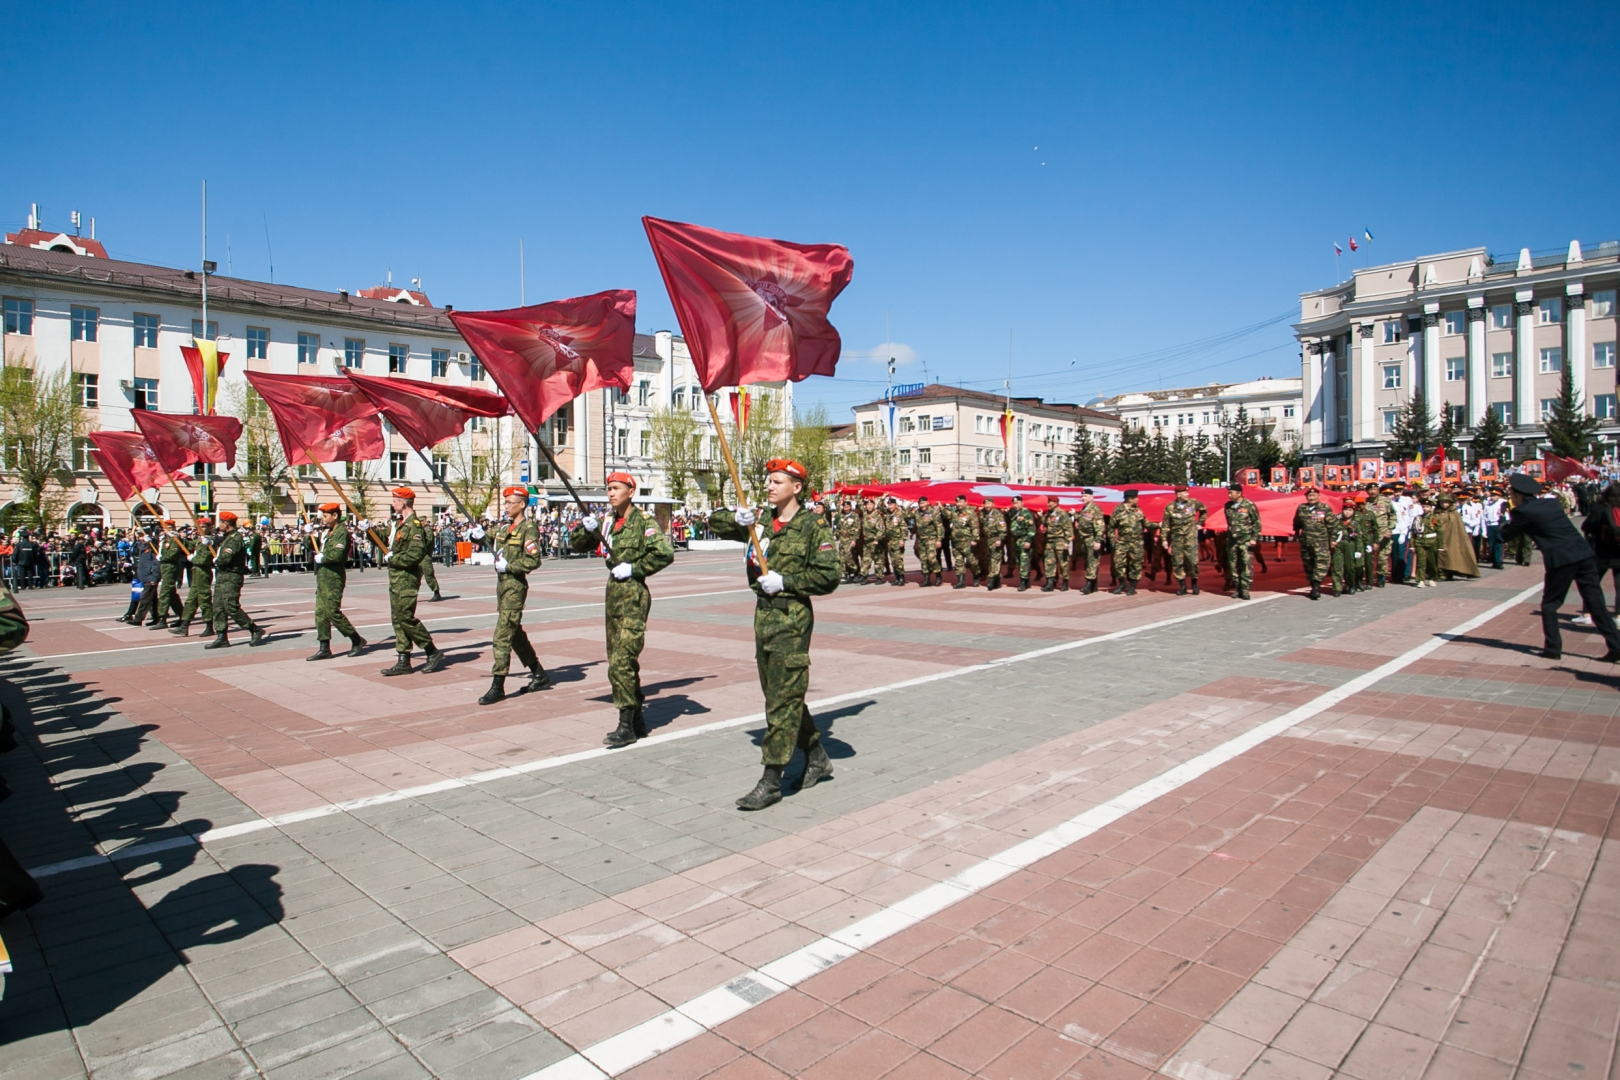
(321, 418)
(1559, 468)
(182, 441)
(753, 310)
(428, 413)
(204, 381)
(128, 461)
(546, 355)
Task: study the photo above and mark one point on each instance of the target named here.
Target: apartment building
(1275, 406)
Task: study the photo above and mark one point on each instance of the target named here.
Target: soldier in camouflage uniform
(1129, 529)
(635, 550)
(200, 596)
(873, 527)
(1349, 554)
(429, 578)
(964, 538)
(847, 524)
(1426, 544)
(1313, 525)
(408, 548)
(993, 527)
(171, 557)
(1178, 533)
(1090, 529)
(1023, 527)
(929, 528)
(1382, 509)
(1059, 539)
(1367, 531)
(803, 561)
(230, 568)
(516, 545)
(1242, 534)
(894, 539)
(333, 545)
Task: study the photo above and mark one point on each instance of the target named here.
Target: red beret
(514, 489)
(621, 478)
(789, 466)
(404, 493)
(330, 508)
(226, 515)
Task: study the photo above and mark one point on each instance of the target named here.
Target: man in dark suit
(1567, 557)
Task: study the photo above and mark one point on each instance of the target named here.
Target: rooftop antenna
(228, 272)
(1006, 465)
(76, 219)
(390, 277)
(267, 250)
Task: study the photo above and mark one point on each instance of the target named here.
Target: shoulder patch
(650, 532)
(826, 547)
(531, 547)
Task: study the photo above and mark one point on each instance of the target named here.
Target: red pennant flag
(321, 418)
(428, 413)
(544, 356)
(197, 368)
(1434, 462)
(129, 462)
(1559, 468)
(752, 310)
(182, 441)
(739, 408)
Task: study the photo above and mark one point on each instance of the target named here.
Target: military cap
(1524, 485)
(619, 477)
(519, 489)
(789, 466)
(330, 508)
(226, 515)
(404, 493)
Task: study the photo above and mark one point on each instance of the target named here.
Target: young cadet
(803, 560)
(331, 575)
(517, 552)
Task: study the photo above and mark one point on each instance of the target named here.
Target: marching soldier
(994, 530)
(1178, 532)
(1055, 560)
(1022, 527)
(1242, 534)
(517, 552)
(1382, 508)
(1129, 529)
(230, 568)
(929, 530)
(847, 524)
(964, 538)
(1313, 525)
(200, 596)
(1426, 545)
(635, 550)
(1090, 528)
(1348, 556)
(408, 548)
(803, 560)
(1367, 530)
(873, 527)
(170, 559)
(331, 575)
(894, 539)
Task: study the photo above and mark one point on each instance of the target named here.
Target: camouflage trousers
(1349, 562)
(1318, 560)
(329, 605)
(168, 589)
(1127, 563)
(627, 604)
(228, 603)
(1055, 561)
(897, 555)
(1239, 564)
(1092, 557)
(1425, 556)
(992, 559)
(848, 556)
(199, 599)
(872, 556)
(408, 629)
(967, 561)
(1184, 559)
(782, 629)
(511, 591)
(1026, 558)
(928, 554)
(1379, 570)
(428, 577)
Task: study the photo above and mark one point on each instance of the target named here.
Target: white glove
(770, 584)
(590, 523)
(744, 517)
(308, 528)
(500, 564)
(319, 557)
(622, 571)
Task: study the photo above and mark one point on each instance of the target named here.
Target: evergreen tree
(1240, 434)
(1132, 463)
(1266, 454)
(1569, 429)
(1181, 457)
(1412, 432)
(1446, 436)
(1088, 464)
(1488, 435)
(1161, 468)
(1208, 459)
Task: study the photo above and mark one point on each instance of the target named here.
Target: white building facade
(1276, 406)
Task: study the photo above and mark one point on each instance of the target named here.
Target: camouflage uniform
(994, 529)
(200, 597)
(170, 558)
(1313, 525)
(1426, 545)
(331, 575)
(230, 568)
(1242, 534)
(873, 527)
(1178, 530)
(929, 528)
(633, 539)
(429, 578)
(1382, 509)
(804, 553)
(1023, 528)
(408, 549)
(894, 539)
(847, 524)
(1090, 527)
(1349, 554)
(1059, 539)
(1367, 531)
(1129, 530)
(964, 537)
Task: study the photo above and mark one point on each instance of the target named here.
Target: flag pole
(375, 539)
(442, 483)
(552, 459)
(151, 510)
(125, 504)
(725, 449)
(183, 500)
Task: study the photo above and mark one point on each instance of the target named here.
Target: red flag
(180, 441)
(752, 310)
(1559, 468)
(327, 416)
(1353, 244)
(197, 368)
(544, 356)
(428, 413)
(739, 408)
(129, 462)
(1434, 462)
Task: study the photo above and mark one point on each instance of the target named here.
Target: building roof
(1253, 388)
(59, 241)
(414, 297)
(942, 392)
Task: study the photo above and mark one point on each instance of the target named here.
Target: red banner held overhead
(753, 310)
(128, 461)
(182, 441)
(1559, 468)
(321, 418)
(425, 413)
(546, 355)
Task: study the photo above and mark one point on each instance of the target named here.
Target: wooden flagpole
(183, 500)
(342, 495)
(736, 479)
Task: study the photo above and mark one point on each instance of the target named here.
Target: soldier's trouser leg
(992, 562)
(199, 601)
(871, 558)
(1055, 562)
(627, 604)
(168, 591)
(928, 557)
(966, 562)
(897, 557)
(428, 577)
(228, 604)
(1026, 560)
(1184, 561)
(1239, 570)
(1128, 564)
(329, 607)
(510, 593)
(782, 654)
(1380, 566)
(408, 629)
(1093, 559)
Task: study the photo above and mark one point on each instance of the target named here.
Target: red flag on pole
(1434, 462)
(128, 461)
(327, 416)
(739, 408)
(428, 413)
(1559, 468)
(546, 355)
(752, 310)
(181, 441)
(202, 385)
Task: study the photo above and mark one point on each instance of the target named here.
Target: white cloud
(879, 354)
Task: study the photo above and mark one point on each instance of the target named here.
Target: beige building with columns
(1473, 331)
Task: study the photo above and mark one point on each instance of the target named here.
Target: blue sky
(1109, 186)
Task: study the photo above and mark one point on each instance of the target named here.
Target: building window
(20, 317)
(82, 461)
(475, 423)
(398, 357)
(925, 455)
(1550, 312)
(1459, 415)
(646, 441)
(309, 348)
(1504, 412)
(1392, 376)
(1552, 361)
(1547, 406)
(1603, 304)
(396, 465)
(868, 429)
(559, 425)
(475, 368)
(1603, 406)
(1501, 365)
(907, 425)
(643, 392)
(439, 363)
(1603, 354)
(1394, 330)
(1288, 413)
(146, 394)
(146, 331)
(1501, 316)
(1456, 322)
(258, 343)
(84, 323)
(905, 457)
(197, 333)
(354, 352)
(621, 442)
(441, 467)
(1456, 369)
(87, 390)
(1390, 418)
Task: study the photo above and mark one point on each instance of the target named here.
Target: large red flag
(544, 356)
(752, 310)
(1559, 468)
(204, 383)
(428, 413)
(326, 416)
(128, 461)
(184, 440)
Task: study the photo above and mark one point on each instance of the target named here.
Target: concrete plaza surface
(1068, 836)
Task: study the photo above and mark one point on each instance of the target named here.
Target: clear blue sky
(1103, 184)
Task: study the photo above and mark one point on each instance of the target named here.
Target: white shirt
(1494, 508)
(1407, 511)
(1473, 518)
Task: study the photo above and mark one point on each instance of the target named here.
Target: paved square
(1068, 836)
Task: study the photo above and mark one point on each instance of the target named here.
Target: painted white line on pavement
(624, 1051)
(276, 821)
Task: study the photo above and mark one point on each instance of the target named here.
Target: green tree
(765, 437)
(1488, 435)
(675, 447)
(1133, 461)
(1569, 429)
(1446, 434)
(1208, 459)
(1412, 432)
(810, 444)
(43, 423)
(1088, 464)
(261, 471)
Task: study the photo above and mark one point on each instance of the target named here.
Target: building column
(1366, 386)
(1330, 395)
(1575, 337)
(1433, 385)
(1525, 412)
(1478, 375)
(1311, 395)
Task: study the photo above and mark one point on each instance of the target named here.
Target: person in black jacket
(1568, 559)
(1602, 527)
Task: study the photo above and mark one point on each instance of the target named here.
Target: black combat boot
(1243, 594)
(1050, 586)
(641, 721)
(1316, 590)
(402, 665)
(817, 767)
(436, 597)
(768, 792)
(323, 652)
(435, 661)
(161, 624)
(181, 629)
(1195, 586)
(1023, 584)
(1182, 589)
(625, 733)
(256, 636)
(221, 641)
(496, 691)
(1117, 590)
(900, 578)
(357, 645)
(1130, 588)
(538, 679)
(1091, 586)
(961, 580)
